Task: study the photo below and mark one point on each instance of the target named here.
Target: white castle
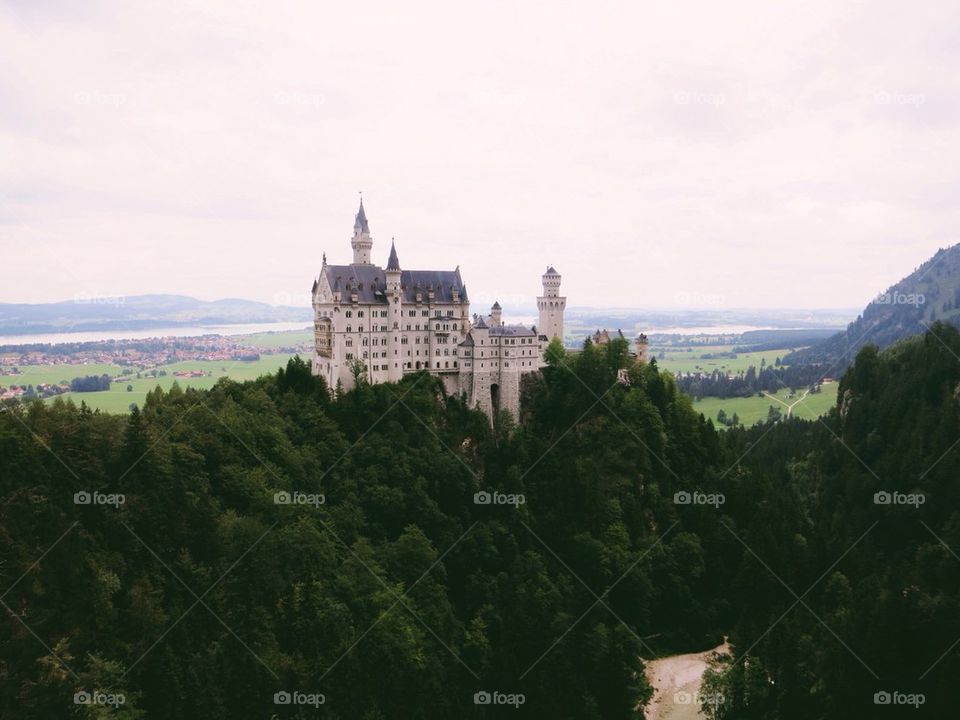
(385, 323)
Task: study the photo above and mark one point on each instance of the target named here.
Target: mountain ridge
(908, 307)
(87, 313)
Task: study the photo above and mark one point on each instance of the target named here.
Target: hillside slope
(929, 293)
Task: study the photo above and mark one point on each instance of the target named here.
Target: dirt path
(788, 406)
(674, 675)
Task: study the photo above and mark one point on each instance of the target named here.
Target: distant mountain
(139, 312)
(930, 293)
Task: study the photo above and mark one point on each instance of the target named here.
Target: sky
(658, 154)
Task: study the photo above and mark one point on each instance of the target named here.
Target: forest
(275, 549)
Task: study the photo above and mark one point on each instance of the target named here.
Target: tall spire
(361, 221)
(394, 262)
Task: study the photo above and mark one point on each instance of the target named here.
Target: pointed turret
(394, 262)
(361, 222)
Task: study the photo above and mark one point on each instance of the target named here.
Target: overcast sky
(659, 154)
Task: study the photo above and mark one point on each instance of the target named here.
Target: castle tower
(395, 316)
(361, 242)
(551, 306)
(643, 348)
(496, 314)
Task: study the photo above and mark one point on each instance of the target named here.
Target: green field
(754, 409)
(118, 399)
(272, 340)
(691, 360)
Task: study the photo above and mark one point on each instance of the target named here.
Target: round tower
(395, 315)
(361, 242)
(551, 306)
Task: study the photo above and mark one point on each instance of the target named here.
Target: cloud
(756, 151)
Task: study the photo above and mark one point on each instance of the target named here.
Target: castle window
(454, 326)
(360, 313)
(349, 313)
(349, 328)
(349, 342)
(446, 364)
(349, 356)
(412, 313)
(366, 341)
(425, 313)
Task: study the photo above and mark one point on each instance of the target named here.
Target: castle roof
(468, 340)
(361, 222)
(394, 262)
(511, 331)
(370, 283)
(480, 324)
(496, 305)
(550, 270)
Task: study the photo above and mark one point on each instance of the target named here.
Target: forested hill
(850, 592)
(273, 539)
(930, 293)
(396, 596)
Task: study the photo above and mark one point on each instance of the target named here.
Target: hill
(138, 312)
(929, 293)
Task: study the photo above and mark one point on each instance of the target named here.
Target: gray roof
(512, 331)
(361, 222)
(394, 262)
(371, 281)
(496, 305)
(550, 270)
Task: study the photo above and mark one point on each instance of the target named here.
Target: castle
(382, 323)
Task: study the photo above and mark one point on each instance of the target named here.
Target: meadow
(691, 359)
(754, 409)
(118, 399)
